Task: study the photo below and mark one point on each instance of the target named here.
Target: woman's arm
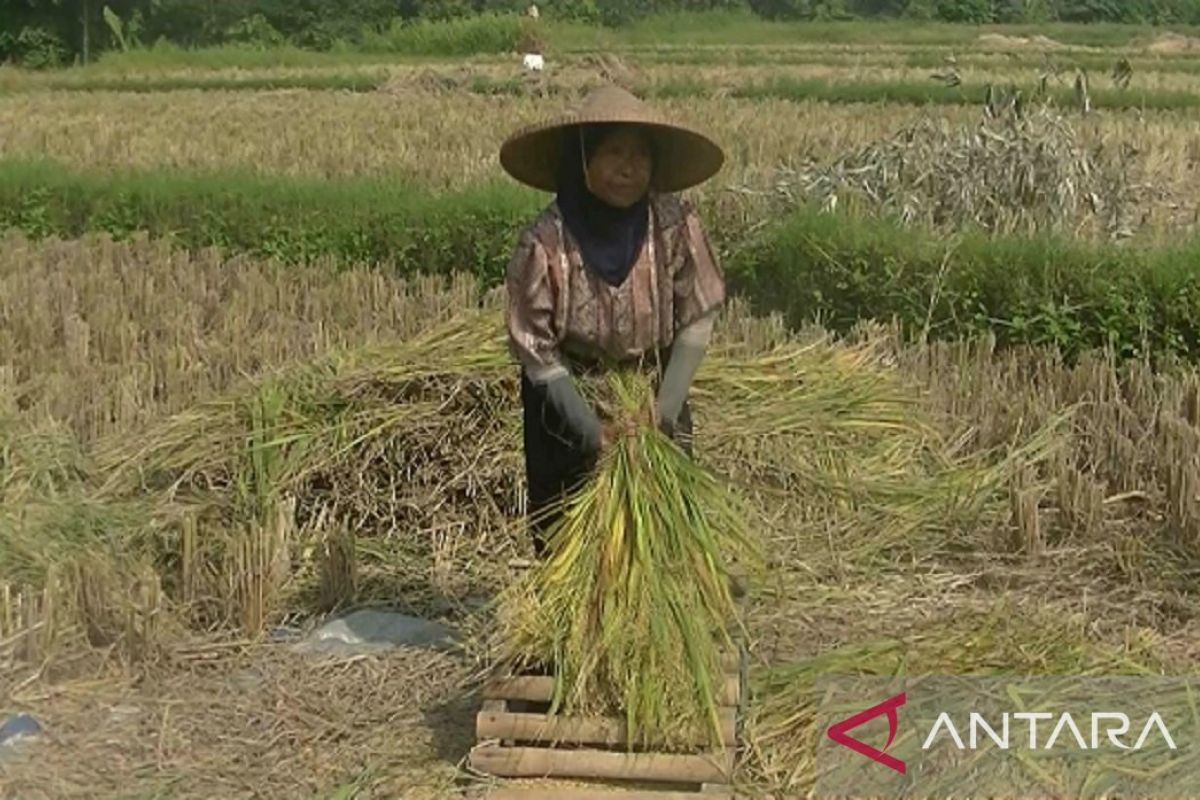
(535, 344)
(699, 289)
(687, 351)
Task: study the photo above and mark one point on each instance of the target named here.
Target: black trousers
(556, 462)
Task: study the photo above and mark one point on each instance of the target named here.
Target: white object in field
(533, 10)
(373, 630)
(534, 61)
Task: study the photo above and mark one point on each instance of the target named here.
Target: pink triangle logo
(838, 732)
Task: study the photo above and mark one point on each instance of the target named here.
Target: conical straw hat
(683, 157)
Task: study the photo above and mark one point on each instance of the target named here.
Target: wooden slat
(541, 688)
(575, 730)
(538, 762)
(571, 793)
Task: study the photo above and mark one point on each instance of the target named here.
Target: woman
(615, 270)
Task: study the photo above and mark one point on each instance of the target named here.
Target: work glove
(564, 395)
(687, 351)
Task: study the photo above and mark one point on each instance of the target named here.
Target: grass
(1041, 289)
(690, 30)
(1037, 290)
(164, 55)
(924, 58)
(466, 36)
(726, 28)
(924, 94)
(351, 82)
(295, 220)
(893, 92)
(418, 134)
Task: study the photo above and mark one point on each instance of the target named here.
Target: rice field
(192, 439)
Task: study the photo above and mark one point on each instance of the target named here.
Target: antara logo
(1114, 724)
(838, 732)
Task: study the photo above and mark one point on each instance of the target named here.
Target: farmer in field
(617, 270)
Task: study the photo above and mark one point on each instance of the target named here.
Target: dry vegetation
(442, 140)
(432, 138)
(1011, 174)
(1092, 536)
(150, 330)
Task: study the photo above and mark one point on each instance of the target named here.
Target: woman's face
(620, 169)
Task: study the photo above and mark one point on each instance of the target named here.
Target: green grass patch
(165, 55)
(349, 82)
(910, 93)
(840, 268)
(380, 222)
(486, 33)
(744, 28)
(1046, 291)
(924, 58)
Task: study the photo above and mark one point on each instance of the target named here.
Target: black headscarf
(610, 238)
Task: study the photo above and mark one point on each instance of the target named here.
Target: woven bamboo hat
(683, 157)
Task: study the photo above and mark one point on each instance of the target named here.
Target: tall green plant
(116, 27)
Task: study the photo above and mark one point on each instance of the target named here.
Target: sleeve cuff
(699, 332)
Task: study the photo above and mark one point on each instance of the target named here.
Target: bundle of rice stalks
(411, 443)
(634, 605)
(833, 439)
(1016, 173)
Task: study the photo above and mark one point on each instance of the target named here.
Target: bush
(488, 33)
(8, 45)
(37, 48)
(254, 31)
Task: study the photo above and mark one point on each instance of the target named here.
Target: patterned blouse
(557, 308)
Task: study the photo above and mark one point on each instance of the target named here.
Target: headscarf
(609, 238)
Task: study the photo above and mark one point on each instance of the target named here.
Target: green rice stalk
(633, 606)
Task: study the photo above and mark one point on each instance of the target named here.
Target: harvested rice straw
(634, 602)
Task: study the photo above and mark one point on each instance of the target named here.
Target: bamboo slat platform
(516, 738)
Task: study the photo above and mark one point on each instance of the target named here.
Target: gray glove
(570, 405)
(687, 351)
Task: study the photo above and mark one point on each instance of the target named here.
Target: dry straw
(413, 449)
(1022, 171)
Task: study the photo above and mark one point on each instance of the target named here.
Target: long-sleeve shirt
(557, 307)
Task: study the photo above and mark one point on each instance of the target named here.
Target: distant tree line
(42, 33)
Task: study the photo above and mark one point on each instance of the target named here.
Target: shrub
(37, 48)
